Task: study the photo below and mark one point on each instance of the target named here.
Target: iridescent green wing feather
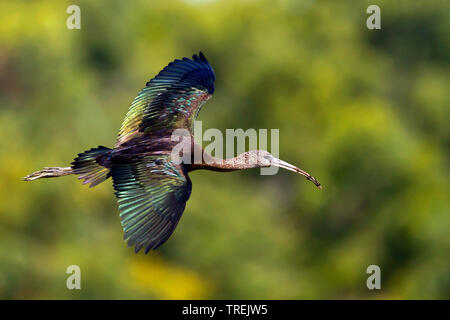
(152, 192)
(170, 100)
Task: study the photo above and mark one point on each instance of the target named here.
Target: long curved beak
(290, 167)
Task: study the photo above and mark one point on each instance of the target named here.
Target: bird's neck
(209, 162)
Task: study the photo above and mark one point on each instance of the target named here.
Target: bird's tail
(89, 166)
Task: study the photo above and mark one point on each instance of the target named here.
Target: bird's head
(265, 159)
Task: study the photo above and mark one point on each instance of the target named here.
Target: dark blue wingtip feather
(189, 72)
(209, 78)
(196, 58)
(200, 58)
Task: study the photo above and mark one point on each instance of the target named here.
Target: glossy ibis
(151, 188)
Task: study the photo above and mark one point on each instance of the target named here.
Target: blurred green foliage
(365, 111)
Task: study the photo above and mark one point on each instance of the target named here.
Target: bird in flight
(151, 187)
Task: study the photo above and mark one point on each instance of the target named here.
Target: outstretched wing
(152, 192)
(172, 99)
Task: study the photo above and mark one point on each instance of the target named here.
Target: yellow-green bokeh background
(365, 111)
